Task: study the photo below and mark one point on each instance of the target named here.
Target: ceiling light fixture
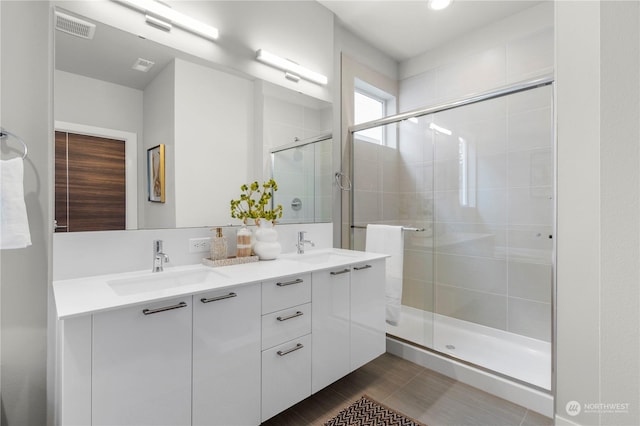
(439, 4)
(157, 12)
(292, 70)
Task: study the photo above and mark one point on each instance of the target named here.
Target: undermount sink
(162, 281)
(324, 257)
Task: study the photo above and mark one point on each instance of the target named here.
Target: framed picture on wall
(155, 174)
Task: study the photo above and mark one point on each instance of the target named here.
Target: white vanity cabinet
(348, 319)
(331, 324)
(286, 343)
(235, 349)
(367, 302)
(141, 365)
(226, 357)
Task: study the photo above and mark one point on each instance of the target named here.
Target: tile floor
(425, 395)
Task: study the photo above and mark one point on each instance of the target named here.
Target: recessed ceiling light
(439, 4)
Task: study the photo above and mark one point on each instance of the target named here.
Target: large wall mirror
(118, 95)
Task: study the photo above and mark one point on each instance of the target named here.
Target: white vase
(266, 244)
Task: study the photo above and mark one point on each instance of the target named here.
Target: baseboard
(533, 399)
(561, 421)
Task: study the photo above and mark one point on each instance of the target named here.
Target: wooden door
(95, 183)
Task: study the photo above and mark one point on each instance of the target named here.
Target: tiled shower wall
(306, 172)
(488, 261)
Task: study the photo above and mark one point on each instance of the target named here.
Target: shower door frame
(521, 86)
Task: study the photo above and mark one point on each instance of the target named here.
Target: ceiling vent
(74, 26)
(143, 65)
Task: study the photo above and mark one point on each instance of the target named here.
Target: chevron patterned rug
(368, 412)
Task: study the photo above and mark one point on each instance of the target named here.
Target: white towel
(14, 225)
(389, 240)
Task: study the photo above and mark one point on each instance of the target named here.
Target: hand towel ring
(4, 134)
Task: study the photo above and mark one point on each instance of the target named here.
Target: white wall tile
(531, 206)
(478, 307)
(472, 74)
(474, 273)
(530, 281)
(530, 55)
(531, 168)
(532, 319)
(530, 130)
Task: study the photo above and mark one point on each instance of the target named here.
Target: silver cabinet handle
(215, 299)
(344, 271)
(360, 268)
(166, 308)
(288, 351)
(296, 281)
(297, 314)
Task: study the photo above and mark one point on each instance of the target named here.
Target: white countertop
(89, 295)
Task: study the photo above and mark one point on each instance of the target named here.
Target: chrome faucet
(159, 258)
(301, 242)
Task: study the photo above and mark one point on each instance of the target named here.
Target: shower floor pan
(522, 358)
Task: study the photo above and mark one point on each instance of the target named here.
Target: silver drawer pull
(296, 281)
(344, 271)
(360, 268)
(215, 299)
(288, 351)
(166, 308)
(297, 314)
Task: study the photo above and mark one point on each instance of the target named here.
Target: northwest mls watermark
(573, 408)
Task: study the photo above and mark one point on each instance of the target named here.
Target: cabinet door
(367, 312)
(286, 375)
(141, 372)
(330, 326)
(226, 357)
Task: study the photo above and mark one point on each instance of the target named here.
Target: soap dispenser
(218, 246)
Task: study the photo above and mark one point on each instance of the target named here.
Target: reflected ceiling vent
(74, 26)
(143, 65)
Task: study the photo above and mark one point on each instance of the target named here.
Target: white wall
(26, 110)
(124, 251)
(213, 131)
(90, 102)
(299, 30)
(597, 104)
(508, 51)
(511, 29)
(83, 100)
(159, 128)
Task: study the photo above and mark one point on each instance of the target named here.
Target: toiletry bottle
(243, 240)
(219, 246)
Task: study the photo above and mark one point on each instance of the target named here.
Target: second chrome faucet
(301, 242)
(159, 257)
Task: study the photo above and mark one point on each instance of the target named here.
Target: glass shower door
(493, 227)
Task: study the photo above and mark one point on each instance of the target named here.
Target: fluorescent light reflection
(176, 18)
(290, 67)
(439, 129)
(439, 4)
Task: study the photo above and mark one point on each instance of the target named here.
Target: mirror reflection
(117, 95)
(304, 172)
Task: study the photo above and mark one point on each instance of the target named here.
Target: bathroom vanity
(234, 345)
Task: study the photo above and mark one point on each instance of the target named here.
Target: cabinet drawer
(285, 292)
(281, 326)
(286, 375)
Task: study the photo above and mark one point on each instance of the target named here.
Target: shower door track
(467, 100)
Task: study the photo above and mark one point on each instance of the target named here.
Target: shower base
(522, 358)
